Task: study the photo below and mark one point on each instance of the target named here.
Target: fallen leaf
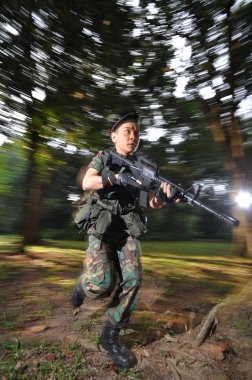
(218, 350)
(50, 356)
(170, 338)
(20, 365)
(146, 353)
(76, 311)
(37, 329)
(68, 353)
(35, 362)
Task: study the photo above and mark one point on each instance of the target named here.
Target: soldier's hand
(166, 193)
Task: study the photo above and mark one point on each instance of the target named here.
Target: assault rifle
(144, 174)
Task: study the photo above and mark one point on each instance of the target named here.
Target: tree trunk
(33, 212)
(237, 167)
(241, 235)
(33, 197)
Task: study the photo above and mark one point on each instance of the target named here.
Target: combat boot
(119, 353)
(78, 296)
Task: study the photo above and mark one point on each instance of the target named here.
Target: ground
(44, 337)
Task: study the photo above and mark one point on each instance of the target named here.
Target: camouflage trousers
(114, 267)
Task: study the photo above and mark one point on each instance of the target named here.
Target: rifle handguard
(126, 181)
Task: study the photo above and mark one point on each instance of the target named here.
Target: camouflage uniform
(115, 255)
(99, 277)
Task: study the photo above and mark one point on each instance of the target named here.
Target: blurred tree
(57, 79)
(221, 44)
(13, 164)
(67, 72)
(182, 152)
(213, 44)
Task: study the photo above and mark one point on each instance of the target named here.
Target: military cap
(134, 116)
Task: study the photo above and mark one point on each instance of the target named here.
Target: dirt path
(35, 307)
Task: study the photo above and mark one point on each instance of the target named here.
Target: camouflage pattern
(97, 162)
(113, 265)
(106, 260)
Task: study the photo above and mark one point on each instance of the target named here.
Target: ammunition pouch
(135, 222)
(85, 215)
(95, 217)
(101, 224)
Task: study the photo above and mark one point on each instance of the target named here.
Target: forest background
(69, 70)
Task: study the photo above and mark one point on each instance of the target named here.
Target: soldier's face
(126, 138)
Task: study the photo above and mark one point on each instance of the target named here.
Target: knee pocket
(100, 287)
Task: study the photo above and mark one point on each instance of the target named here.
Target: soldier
(114, 224)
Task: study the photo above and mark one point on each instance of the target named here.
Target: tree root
(209, 324)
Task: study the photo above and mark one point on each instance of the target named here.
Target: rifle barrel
(224, 217)
(190, 198)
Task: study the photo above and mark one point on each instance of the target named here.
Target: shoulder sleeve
(97, 162)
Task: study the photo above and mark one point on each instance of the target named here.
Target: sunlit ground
(208, 262)
(178, 277)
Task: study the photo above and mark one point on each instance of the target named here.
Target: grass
(45, 361)
(198, 270)
(208, 264)
(20, 361)
(86, 327)
(53, 365)
(18, 314)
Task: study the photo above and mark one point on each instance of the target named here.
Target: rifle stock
(147, 172)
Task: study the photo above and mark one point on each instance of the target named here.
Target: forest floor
(44, 337)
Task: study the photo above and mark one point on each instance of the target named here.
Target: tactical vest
(102, 207)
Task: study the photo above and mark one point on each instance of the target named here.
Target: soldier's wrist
(158, 203)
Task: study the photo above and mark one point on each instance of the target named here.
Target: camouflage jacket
(113, 208)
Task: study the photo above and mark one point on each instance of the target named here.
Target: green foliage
(67, 60)
(131, 374)
(90, 65)
(220, 39)
(44, 361)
